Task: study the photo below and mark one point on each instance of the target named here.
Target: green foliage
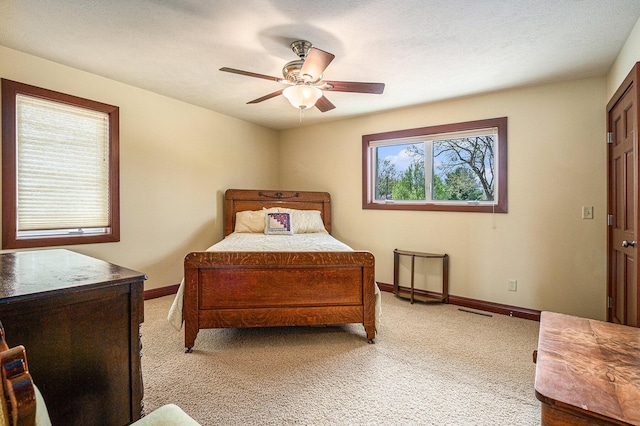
(387, 178)
(411, 184)
(439, 189)
(461, 185)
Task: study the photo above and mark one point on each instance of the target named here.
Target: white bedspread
(261, 242)
(295, 242)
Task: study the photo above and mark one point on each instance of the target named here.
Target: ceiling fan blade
(315, 63)
(324, 104)
(352, 86)
(250, 74)
(265, 97)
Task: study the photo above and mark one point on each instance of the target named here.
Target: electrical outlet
(587, 212)
(513, 285)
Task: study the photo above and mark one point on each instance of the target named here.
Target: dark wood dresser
(79, 319)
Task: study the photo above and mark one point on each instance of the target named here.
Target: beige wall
(629, 55)
(176, 160)
(556, 162)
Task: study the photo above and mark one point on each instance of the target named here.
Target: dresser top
(30, 273)
(589, 366)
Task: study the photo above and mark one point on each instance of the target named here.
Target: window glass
(400, 172)
(453, 167)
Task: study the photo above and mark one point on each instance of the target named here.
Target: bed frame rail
(257, 289)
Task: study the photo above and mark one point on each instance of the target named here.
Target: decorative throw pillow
(278, 224)
(306, 221)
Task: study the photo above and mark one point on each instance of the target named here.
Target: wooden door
(622, 119)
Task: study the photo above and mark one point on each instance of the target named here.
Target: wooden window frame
(500, 205)
(10, 239)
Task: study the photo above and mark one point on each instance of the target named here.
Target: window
(452, 167)
(60, 173)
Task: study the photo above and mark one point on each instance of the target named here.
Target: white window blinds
(62, 166)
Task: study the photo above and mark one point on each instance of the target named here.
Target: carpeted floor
(432, 364)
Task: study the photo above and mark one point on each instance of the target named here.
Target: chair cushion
(42, 414)
(167, 415)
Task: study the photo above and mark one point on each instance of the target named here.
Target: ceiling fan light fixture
(302, 96)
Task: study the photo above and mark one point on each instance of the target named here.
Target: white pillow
(252, 221)
(278, 224)
(305, 221)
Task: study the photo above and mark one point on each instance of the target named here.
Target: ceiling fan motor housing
(291, 70)
(301, 48)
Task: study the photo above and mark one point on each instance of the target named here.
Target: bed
(239, 288)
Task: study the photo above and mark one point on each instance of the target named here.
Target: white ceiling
(423, 50)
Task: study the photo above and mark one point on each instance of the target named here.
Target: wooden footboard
(259, 289)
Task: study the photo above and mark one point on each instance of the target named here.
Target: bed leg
(371, 333)
(190, 335)
(371, 341)
(188, 350)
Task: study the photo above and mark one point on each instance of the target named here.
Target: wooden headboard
(237, 200)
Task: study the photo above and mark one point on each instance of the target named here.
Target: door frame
(631, 80)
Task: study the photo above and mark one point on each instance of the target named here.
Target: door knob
(626, 243)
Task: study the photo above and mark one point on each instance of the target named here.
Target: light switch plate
(587, 212)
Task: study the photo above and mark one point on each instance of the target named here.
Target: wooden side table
(410, 294)
(587, 372)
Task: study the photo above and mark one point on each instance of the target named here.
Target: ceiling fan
(304, 79)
